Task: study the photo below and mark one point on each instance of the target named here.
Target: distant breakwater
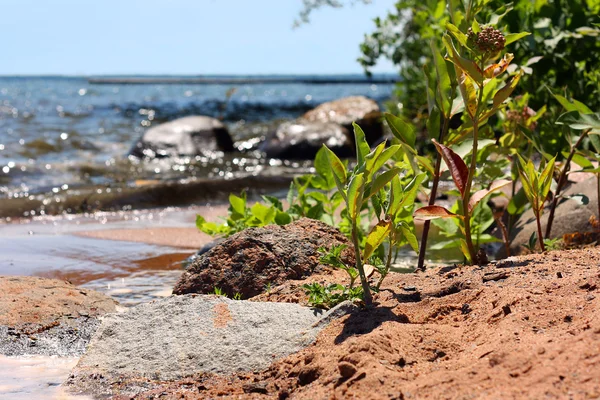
(238, 81)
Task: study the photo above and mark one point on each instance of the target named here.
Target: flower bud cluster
(486, 41)
(521, 116)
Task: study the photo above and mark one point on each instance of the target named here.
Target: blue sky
(86, 37)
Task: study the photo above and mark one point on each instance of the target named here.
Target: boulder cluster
(330, 123)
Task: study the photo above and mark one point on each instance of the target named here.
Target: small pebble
(346, 369)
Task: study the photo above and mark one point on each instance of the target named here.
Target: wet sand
(132, 256)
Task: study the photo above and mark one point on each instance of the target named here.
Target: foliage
(562, 52)
(309, 196)
(311, 5)
(536, 184)
(484, 138)
(373, 181)
(473, 56)
(331, 295)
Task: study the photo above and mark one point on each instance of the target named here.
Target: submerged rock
(188, 136)
(47, 316)
(365, 112)
(571, 216)
(256, 258)
(300, 140)
(183, 336)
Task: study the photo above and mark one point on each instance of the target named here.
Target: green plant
(536, 184)
(356, 187)
(331, 295)
(218, 292)
(240, 216)
(477, 72)
(562, 52)
(333, 258)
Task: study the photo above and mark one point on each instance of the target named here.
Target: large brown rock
(365, 112)
(250, 261)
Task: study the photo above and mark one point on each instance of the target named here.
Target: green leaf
(238, 204)
(465, 250)
(545, 180)
(443, 81)
(581, 160)
(433, 122)
(380, 182)
(411, 190)
(282, 218)
(274, 201)
(355, 194)
(362, 147)
(324, 169)
(410, 237)
(461, 37)
(469, 94)
(571, 106)
(403, 131)
(467, 66)
(374, 164)
(578, 121)
(316, 211)
(458, 168)
(426, 163)
(517, 203)
(513, 37)
(263, 213)
(375, 238)
(338, 169)
(433, 212)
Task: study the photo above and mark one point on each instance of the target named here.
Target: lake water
(61, 132)
(59, 136)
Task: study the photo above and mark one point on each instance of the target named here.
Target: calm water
(63, 132)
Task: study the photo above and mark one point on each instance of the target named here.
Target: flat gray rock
(181, 336)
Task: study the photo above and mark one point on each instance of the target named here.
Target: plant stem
(388, 264)
(598, 192)
(361, 271)
(432, 197)
(539, 228)
(471, 176)
(561, 182)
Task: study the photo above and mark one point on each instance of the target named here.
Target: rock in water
(300, 140)
(47, 316)
(181, 336)
(188, 136)
(365, 112)
(250, 261)
(571, 216)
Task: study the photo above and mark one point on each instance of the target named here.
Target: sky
(95, 37)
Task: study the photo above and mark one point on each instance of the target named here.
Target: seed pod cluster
(521, 117)
(486, 41)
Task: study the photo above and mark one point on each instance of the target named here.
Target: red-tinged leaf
(496, 69)
(456, 165)
(434, 212)
(480, 195)
(506, 91)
